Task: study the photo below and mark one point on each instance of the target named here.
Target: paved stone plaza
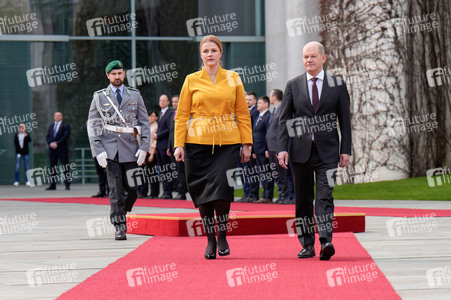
(58, 237)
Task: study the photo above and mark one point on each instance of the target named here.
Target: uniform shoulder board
(133, 89)
(99, 91)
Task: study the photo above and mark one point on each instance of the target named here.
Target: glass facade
(53, 55)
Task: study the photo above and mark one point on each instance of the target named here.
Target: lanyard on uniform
(115, 108)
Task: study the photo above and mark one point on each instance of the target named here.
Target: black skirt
(206, 173)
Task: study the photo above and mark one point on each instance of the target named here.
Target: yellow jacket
(212, 114)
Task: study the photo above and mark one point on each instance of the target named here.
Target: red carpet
(369, 211)
(260, 267)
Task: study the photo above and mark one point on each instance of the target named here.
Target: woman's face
(153, 118)
(210, 54)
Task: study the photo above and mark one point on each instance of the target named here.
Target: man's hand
(101, 159)
(155, 136)
(53, 145)
(245, 153)
(254, 156)
(168, 153)
(179, 154)
(151, 156)
(266, 154)
(141, 155)
(344, 160)
(283, 159)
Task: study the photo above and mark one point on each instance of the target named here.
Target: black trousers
(63, 156)
(151, 173)
(103, 180)
(303, 179)
(163, 162)
(122, 196)
(281, 180)
(265, 175)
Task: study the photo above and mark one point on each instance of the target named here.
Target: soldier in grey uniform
(116, 116)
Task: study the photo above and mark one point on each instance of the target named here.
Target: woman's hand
(179, 154)
(245, 153)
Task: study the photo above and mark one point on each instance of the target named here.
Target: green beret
(115, 64)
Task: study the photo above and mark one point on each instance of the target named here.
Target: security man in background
(116, 116)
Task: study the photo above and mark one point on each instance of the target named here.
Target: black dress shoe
(251, 199)
(166, 196)
(98, 195)
(242, 199)
(307, 252)
(120, 234)
(210, 255)
(180, 197)
(51, 188)
(67, 188)
(327, 251)
(224, 252)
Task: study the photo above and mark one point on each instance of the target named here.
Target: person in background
(259, 149)
(151, 163)
(250, 187)
(275, 97)
(162, 137)
(180, 187)
(57, 136)
(21, 141)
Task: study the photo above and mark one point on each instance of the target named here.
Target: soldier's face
(116, 77)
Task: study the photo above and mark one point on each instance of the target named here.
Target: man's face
(262, 105)
(272, 98)
(313, 60)
(58, 117)
(164, 101)
(175, 102)
(116, 77)
(250, 99)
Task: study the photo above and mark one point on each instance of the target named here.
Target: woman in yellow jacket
(211, 126)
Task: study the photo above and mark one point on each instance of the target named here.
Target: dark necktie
(118, 96)
(315, 98)
(55, 129)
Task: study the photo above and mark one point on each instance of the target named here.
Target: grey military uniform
(134, 112)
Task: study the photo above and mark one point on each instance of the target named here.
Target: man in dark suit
(250, 189)
(180, 187)
(162, 137)
(259, 149)
(313, 104)
(57, 136)
(275, 97)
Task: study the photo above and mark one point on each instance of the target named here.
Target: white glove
(101, 159)
(141, 155)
